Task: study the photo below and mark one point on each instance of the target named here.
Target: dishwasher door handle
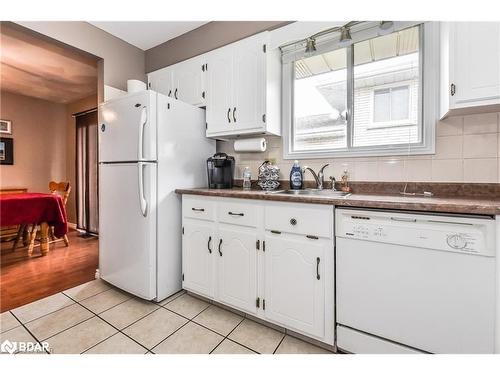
(404, 219)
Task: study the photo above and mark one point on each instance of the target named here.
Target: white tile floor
(96, 318)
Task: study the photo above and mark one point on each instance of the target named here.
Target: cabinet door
(249, 84)
(187, 78)
(219, 94)
(295, 282)
(476, 62)
(237, 267)
(162, 81)
(198, 244)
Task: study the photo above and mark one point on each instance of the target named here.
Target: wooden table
(32, 209)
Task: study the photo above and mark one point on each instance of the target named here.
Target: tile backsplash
(467, 150)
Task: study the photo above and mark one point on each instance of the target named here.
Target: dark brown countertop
(462, 205)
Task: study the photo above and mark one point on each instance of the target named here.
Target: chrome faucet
(319, 177)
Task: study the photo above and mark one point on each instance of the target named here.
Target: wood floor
(24, 279)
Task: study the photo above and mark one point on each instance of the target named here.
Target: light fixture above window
(310, 46)
(345, 37)
(385, 27)
(310, 42)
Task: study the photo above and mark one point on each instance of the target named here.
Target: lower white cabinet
(273, 260)
(237, 267)
(295, 285)
(198, 243)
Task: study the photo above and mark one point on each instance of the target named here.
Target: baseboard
(72, 226)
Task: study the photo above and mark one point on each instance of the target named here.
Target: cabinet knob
(293, 221)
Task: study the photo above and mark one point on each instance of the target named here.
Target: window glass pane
(320, 102)
(399, 103)
(382, 105)
(386, 90)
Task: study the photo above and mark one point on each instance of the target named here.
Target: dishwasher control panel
(448, 233)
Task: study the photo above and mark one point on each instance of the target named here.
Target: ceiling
(34, 66)
(146, 35)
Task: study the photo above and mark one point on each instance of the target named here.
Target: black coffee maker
(220, 169)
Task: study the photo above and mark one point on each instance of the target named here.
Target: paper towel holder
(250, 145)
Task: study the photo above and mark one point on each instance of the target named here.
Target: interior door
(127, 221)
(188, 82)
(87, 176)
(249, 84)
(295, 282)
(477, 72)
(237, 267)
(219, 94)
(198, 247)
(127, 129)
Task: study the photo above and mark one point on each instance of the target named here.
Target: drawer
(238, 212)
(198, 208)
(306, 219)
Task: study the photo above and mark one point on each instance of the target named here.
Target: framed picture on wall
(5, 127)
(7, 151)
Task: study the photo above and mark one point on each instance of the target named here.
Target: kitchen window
(365, 99)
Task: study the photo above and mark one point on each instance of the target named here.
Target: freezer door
(127, 221)
(127, 128)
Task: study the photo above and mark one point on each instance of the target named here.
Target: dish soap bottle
(345, 182)
(247, 179)
(296, 176)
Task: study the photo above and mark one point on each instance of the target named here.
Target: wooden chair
(63, 189)
(28, 232)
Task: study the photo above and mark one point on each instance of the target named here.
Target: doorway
(87, 173)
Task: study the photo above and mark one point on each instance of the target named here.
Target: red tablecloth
(34, 208)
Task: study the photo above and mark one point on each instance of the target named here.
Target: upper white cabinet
(470, 67)
(239, 84)
(184, 81)
(243, 89)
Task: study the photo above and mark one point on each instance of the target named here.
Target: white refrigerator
(149, 145)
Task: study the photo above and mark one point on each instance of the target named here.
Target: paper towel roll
(250, 145)
(134, 85)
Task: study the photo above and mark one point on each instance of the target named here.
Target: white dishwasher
(410, 282)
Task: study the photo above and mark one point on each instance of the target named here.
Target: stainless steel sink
(313, 192)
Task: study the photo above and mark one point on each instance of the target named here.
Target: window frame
(428, 106)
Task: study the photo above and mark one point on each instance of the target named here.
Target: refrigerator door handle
(142, 200)
(144, 120)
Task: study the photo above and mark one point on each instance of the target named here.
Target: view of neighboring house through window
(386, 105)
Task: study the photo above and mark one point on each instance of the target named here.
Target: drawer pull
(208, 244)
(312, 237)
(317, 268)
(293, 221)
(198, 209)
(276, 232)
(220, 243)
(236, 213)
